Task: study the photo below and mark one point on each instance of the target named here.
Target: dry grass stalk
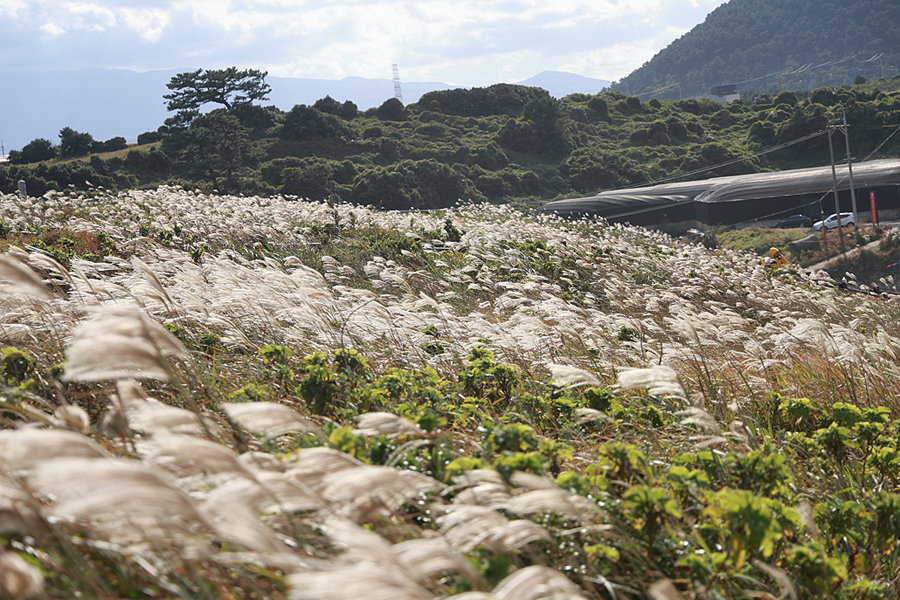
(120, 342)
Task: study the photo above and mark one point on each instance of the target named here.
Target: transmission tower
(397, 93)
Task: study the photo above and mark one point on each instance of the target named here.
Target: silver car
(847, 220)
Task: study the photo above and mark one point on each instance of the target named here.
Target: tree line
(502, 143)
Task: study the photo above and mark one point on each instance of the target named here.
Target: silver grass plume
(537, 583)
(697, 416)
(659, 380)
(491, 495)
(564, 375)
(268, 418)
(663, 589)
(431, 557)
(48, 263)
(267, 493)
(468, 526)
(17, 515)
(154, 282)
(365, 491)
(313, 465)
(352, 582)
(478, 476)
(240, 525)
(589, 415)
(72, 417)
(120, 342)
(16, 278)
(483, 487)
(152, 416)
(571, 506)
(23, 449)
(18, 579)
(186, 455)
(384, 423)
(529, 481)
(358, 544)
(125, 497)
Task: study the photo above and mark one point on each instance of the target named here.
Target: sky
(469, 43)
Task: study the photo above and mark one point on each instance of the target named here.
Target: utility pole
(837, 206)
(850, 168)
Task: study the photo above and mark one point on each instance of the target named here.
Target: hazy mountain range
(110, 103)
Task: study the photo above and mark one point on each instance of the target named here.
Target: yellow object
(777, 258)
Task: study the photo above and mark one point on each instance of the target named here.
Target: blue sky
(464, 42)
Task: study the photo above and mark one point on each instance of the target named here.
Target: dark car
(795, 221)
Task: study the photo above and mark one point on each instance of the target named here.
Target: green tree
(34, 151)
(303, 123)
(391, 110)
(73, 143)
(229, 87)
(215, 144)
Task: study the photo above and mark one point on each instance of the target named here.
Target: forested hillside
(776, 44)
(502, 143)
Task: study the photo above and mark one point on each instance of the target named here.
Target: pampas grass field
(242, 397)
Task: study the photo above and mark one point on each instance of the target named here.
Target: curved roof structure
(677, 200)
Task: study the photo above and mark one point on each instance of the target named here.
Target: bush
(34, 151)
(499, 99)
(412, 184)
(310, 180)
(304, 123)
(347, 110)
(110, 145)
(149, 137)
(391, 110)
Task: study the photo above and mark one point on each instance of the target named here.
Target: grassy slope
(540, 442)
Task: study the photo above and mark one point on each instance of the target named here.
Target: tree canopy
(34, 151)
(74, 143)
(229, 87)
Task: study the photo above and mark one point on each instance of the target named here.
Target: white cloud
(148, 23)
(90, 16)
(468, 42)
(13, 8)
(51, 30)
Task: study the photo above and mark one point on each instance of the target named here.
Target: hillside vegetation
(245, 397)
(500, 144)
(772, 45)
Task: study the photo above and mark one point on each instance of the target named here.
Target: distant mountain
(108, 103)
(561, 84)
(775, 45)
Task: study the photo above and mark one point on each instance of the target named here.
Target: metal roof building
(760, 198)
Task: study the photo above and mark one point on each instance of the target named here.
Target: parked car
(831, 222)
(795, 221)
